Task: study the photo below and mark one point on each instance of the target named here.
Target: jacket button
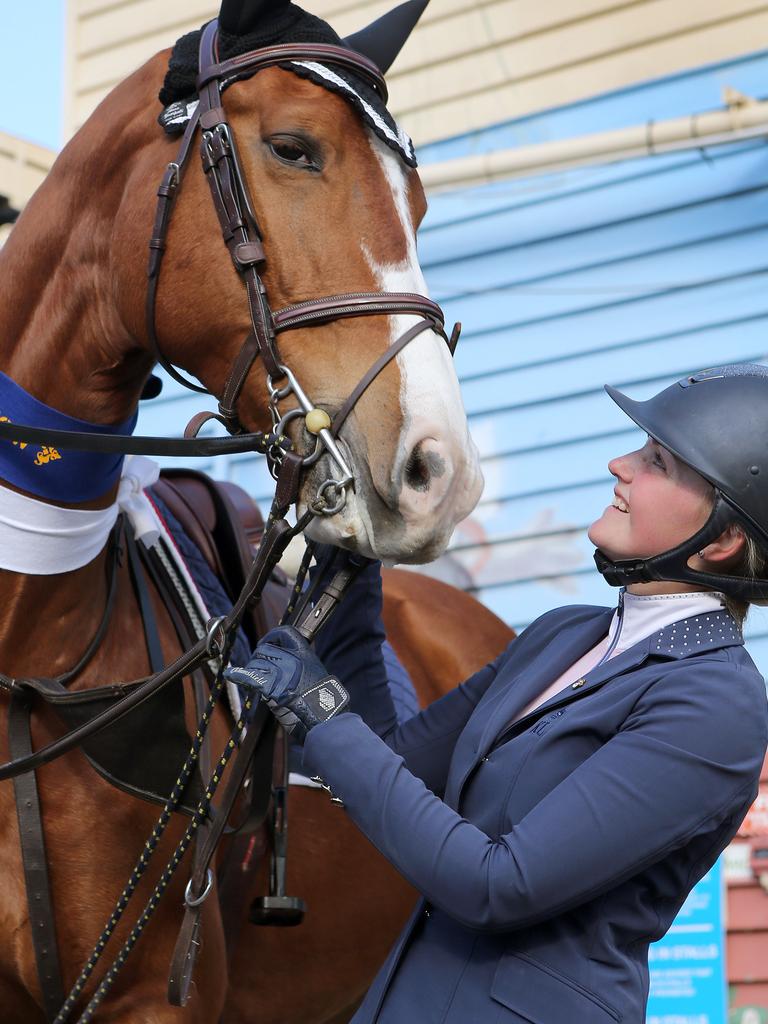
(578, 683)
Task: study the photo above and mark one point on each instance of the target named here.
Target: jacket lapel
(680, 639)
(516, 688)
(565, 648)
(593, 680)
(513, 692)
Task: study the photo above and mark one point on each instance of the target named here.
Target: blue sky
(32, 69)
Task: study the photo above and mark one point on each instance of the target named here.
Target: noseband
(243, 238)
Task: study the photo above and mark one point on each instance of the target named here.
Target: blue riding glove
(286, 673)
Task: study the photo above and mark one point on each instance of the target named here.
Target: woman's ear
(728, 546)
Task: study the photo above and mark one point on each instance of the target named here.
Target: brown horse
(338, 212)
(357, 902)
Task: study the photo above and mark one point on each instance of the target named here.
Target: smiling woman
(648, 480)
(556, 809)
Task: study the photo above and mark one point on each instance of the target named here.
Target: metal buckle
(222, 130)
(213, 645)
(195, 901)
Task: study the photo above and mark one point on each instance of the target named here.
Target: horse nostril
(421, 467)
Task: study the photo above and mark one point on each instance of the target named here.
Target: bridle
(244, 240)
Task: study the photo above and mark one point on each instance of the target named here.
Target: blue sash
(44, 470)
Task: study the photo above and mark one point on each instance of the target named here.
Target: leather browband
(247, 64)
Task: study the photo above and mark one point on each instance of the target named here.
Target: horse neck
(63, 339)
(62, 336)
(46, 622)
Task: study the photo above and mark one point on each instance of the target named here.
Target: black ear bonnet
(286, 23)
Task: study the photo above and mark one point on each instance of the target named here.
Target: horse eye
(291, 152)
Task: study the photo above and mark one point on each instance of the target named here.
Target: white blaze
(434, 421)
(430, 398)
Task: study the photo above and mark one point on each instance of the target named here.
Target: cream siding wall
(23, 165)
(470, 63)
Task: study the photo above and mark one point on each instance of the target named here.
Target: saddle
(225, 525)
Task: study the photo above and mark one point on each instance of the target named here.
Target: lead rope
(146, 854)
(168, 872)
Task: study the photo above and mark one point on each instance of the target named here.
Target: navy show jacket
(551, 853)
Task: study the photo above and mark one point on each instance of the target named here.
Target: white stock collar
(39, 539)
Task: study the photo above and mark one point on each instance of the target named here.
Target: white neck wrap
(38, 539)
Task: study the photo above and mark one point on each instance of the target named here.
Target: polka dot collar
(697, 633)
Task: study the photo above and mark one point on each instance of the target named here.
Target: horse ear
(384, 38)
(239, 17)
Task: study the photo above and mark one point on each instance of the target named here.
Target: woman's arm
(686, 762)
(351, 648)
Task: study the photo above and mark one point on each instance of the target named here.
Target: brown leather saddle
(225, 524)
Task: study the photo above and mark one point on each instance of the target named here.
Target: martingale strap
(34, 858)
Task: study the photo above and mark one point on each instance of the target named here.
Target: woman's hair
(752, 565)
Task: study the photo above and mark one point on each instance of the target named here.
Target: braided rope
(162, 884)
(298, 585)
(146, 854)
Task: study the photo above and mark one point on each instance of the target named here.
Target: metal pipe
(741, 119)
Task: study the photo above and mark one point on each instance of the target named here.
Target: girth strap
(147, 613)
(41, 920)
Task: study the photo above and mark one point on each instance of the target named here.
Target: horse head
(336, 201)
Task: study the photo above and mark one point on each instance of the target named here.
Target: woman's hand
(286, 673)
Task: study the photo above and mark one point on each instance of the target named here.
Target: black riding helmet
(716, 421)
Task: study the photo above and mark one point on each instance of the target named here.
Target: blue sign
(688, 981)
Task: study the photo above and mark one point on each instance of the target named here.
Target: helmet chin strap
(672, 565)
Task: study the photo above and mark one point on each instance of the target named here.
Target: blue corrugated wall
(631, 274)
